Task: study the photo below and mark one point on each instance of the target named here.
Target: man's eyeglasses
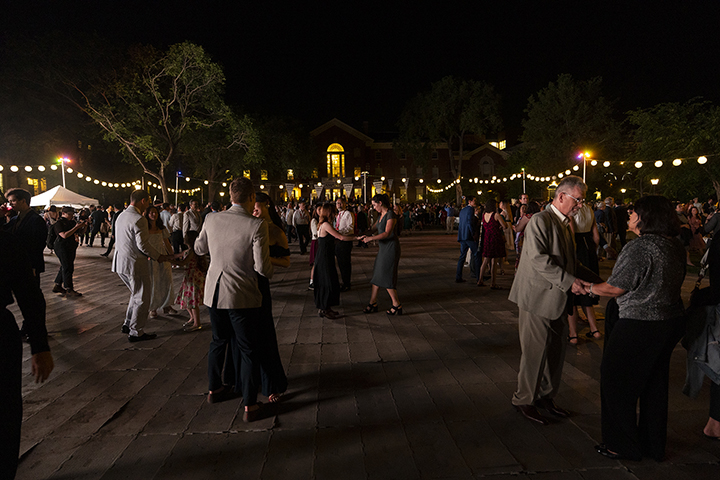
(579, 201)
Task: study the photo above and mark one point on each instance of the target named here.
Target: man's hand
(579, 287)
(42, 364)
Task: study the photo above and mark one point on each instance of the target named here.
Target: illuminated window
(403, 193)
(494, 144)
(358, 171)
(290, 174)
(315, 173)
(89, 147)
(335, 160)
(79, 143)
(263, 175)
(419, 193)
(502, 145)
(246, 173)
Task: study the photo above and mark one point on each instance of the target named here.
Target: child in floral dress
(192, 289)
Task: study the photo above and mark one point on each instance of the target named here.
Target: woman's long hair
(327, 212)
(158, 222)
(261, 197)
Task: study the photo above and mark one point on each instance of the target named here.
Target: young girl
(193, 285)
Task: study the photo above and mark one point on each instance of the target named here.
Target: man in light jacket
(238, 247)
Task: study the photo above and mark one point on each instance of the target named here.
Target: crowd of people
(229, 253)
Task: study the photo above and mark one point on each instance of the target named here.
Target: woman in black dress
(325, 277)
(385, 271)
(274, 380)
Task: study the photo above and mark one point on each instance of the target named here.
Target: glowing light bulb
(702, 160)
(14, 168)
(28, 168)
(576, 168)
(606, 164)
(659, 163)
(593, 162)
(638, 164)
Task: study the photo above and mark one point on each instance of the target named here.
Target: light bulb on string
(659, 163)
(638, 164)
(677, 162)
(702, 160)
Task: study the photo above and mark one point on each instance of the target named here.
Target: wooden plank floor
(424, 395)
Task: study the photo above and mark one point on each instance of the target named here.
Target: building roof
(343, 126)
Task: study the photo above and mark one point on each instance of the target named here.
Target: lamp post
(62, 167)
(654, 182)
(585, 156)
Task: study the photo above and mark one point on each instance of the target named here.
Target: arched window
(335, 160)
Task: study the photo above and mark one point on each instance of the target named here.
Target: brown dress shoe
(549, 405)
(531, 413)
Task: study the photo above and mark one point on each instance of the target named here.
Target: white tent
(61, 196)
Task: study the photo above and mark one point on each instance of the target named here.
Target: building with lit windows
(352, 163)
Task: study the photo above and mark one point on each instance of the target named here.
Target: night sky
(363, 60)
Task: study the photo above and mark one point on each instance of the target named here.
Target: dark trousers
(240, 325)
(10, 394)
(66, 255)
(342, 252)
(466, 245)
(303, 233)
(110, 245)
(636, 367)
(102, 237)
(715, 401)
(176, 238)
(289, 231)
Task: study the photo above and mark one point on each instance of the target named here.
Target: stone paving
(423, 395)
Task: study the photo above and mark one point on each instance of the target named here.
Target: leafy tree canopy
(565, 118)
(452, 110)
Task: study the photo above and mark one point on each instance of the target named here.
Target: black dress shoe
(252, 415)
(531, 413)
(603, 450)
(142, 338)
(125, 329)
(549, 405)
(460, 280)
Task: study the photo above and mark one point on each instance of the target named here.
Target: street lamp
(63, 161)
(585, 156)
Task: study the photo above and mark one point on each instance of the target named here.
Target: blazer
(132, 244)
(238, 246)
(547, 268)
(468, 224)
(32, 234)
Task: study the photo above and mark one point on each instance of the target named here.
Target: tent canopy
(61, 196)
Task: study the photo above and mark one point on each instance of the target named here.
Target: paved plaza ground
(423, 395)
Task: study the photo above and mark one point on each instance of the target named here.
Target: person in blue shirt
(468, 238)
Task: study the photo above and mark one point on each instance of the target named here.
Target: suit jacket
(32, 234)
(238, 246)
(547, 268)
(468, 224)
(132, 244)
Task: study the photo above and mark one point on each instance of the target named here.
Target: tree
(564, 118)
(157, 99)
(448, 113)
(679, 130)
(223, 150)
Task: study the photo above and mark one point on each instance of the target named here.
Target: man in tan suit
(544, 281)
(238, 246)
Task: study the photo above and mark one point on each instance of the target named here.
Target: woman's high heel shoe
(395, 310)
(371, 308)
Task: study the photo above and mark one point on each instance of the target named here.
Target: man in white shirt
(289, 214)
(192, 221)
(301, 222)
(175, 226)
(345, 225)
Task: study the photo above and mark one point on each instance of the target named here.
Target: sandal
(371, 308)
(189, 323)
(495, 287)
(480, 283)
(395, 310)
(592, 334)
(573, 340)
(275, 397)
